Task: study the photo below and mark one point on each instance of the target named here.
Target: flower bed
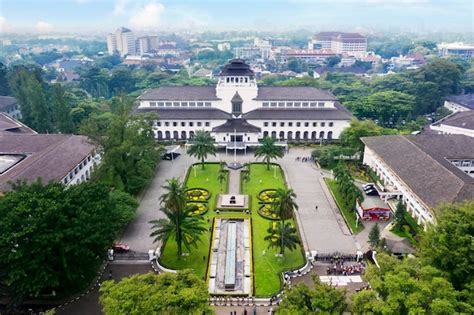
(197, 194)
(266, 212)
(267, 195)
(201, 208)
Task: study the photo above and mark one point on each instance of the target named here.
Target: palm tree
(175, 198)
(179, 226)
(283, 236)
(268, 151)
(284, 203)
(221, 176)
(202, 145)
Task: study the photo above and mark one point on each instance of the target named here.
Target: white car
(368, 185)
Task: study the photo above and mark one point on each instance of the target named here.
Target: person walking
(254, 310)
(316, 207)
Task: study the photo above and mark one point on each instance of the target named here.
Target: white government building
(238, 113)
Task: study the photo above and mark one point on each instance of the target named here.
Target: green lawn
(348, 214)
(267, 268)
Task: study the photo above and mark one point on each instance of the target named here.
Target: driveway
(137, 233)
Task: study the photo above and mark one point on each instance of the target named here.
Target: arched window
(265, 134)
(305, 135)
(88, 174)
(167, 135)
(183, 135)
(297, 135)
(330, 135)
(282, 135)
(290, 135)
(321, 135)
(274, 134)
(191, 134)
(160, 135)
(175, 135)
(314, 135)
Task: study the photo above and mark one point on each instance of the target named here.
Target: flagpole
(235, 146)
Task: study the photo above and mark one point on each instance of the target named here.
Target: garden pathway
(234, 182)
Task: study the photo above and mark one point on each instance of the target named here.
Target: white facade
(82, 172)
(456, 49)
(122, 41)
(455, 107)
(413, 203)
(451, 130)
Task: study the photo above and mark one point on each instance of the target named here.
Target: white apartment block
(423, 171)
(351, 43)
(456, 49)
(237, 111)
(122, 41)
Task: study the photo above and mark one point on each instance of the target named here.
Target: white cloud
(44, 27)
(4, 26)
(82, 1)
(120, 7)
(147, 16)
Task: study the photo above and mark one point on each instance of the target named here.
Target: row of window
(180, 104)
(293, 104)
(298, 124)
(298, 135)
(463, 163)
(236, 79)
(77, 169)
(182, 124)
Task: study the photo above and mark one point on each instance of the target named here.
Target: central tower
(237, 78)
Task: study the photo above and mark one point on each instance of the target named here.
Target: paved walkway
(137, 234)
(234, 182)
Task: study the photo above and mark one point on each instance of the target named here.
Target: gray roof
(6, 102)
(463, 120)
(237, 124)
(421, 163)
(49, 157)
(181, 93)
(293, 93)
(237, 67)
(205, 113)
(337, 113)
(9, 125)
(466, 100)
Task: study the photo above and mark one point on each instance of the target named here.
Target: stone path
(234, 182)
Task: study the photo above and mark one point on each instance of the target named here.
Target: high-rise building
(143, 45)
(122, 41)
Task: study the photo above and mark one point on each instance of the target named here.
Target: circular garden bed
(266, 212)
(201, 208)
(267, 195)
(197, 194)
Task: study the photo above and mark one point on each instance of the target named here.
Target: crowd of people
(346, 270)
(304, 159)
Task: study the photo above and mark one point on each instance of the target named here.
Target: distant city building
(456, 49)
(223, 46)
(251, 52)
(27, 156)
(9, 105)
(339, 42)
(458, 123)
(459, 103)
(424, 171)
(238, 113)
(309, 55)
(408, 61)
(122, 42)
(147, 44)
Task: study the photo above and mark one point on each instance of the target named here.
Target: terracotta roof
(466, 100)
(293, 93)
(186, 113)
(49, 157)
(421, 162)
(338, 113)
(237, 124)
(6, 101)
(181, 93)
(9, 125)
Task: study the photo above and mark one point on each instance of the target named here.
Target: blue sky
(46, 16)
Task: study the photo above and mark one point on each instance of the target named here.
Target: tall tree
(400, 215)
(284, 203)
(202, 145)
(54, 238)
(222, 175)
(357, 129)
(175, 196)
(449, 244)
(268, 151)
(61, 111)
(283, 236)
(167, 293)
(317, 299)
(179, 226)
(407, 287)
(4, 87)
(374, 235)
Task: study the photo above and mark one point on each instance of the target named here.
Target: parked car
(170, 156)
(368, 185)
(369, 188)
(371, 192)
(120, 248)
